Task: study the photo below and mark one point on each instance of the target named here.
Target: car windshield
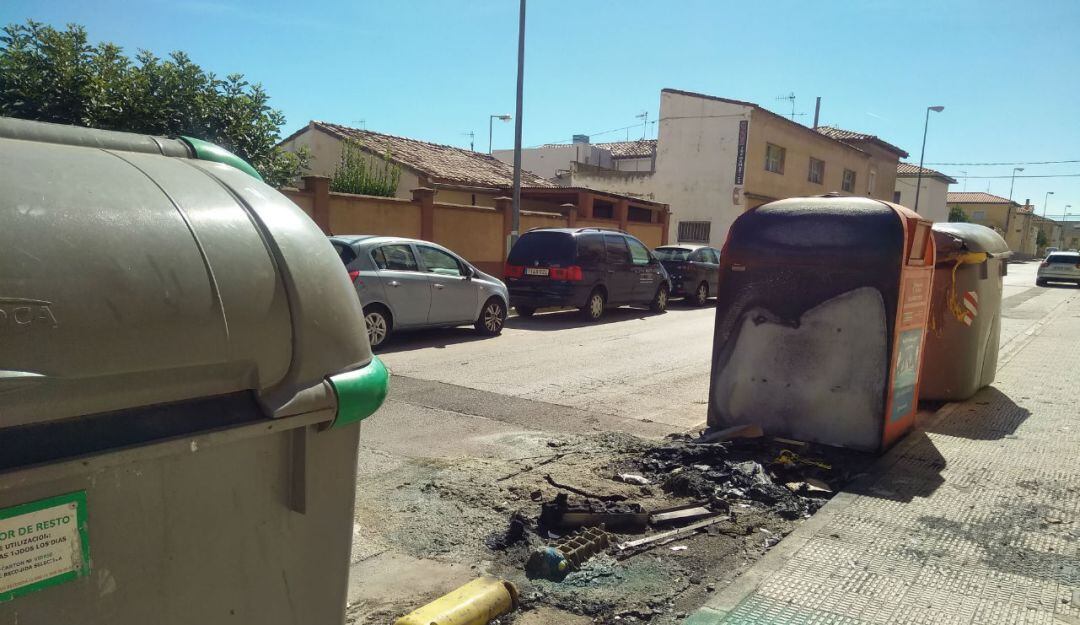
(1063, 259)
(543, 248)
(671, 253)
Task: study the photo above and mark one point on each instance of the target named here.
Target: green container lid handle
(206, 151)
(360, 392)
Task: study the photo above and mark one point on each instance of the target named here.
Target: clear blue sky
(1008, 72)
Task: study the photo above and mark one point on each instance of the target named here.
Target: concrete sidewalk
(972, 519)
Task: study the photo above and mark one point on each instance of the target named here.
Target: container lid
(969, 238)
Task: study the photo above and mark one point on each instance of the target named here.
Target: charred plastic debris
(716, 476)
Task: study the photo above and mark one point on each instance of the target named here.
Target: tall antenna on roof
(791, 97)
(644, 124)
(472, 139)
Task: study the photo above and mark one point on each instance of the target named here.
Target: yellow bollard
(476, 603)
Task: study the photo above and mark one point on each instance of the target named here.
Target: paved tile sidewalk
(974, 519)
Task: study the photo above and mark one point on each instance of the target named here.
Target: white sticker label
(42, 544)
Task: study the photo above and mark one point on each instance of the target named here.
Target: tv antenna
(362, 122)
(472, 139)
(645, 122)
(791, 97)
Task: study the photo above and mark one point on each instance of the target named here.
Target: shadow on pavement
(438, 338)
(989, 415)
(565, 319)
(916, 471)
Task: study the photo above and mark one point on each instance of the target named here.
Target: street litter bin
(965, 311)
(183, 370)
(820, 321)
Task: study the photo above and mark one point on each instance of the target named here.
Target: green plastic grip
(360, 392)
(206, 151)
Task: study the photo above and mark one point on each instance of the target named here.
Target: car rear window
(1063, 259)
(345, 253)
(671, 253)
(543, 248)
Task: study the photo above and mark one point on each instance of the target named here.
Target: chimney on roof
(580, 139)
(817, 111)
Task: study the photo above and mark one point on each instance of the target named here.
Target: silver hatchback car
(406, 284)
(1059, 267)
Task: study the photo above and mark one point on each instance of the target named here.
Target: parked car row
(406, 284)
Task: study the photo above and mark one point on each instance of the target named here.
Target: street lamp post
(1064, 220)
(1013, 181)
(922, 153)
(515, 222)
(1046, 198)
(491, 121)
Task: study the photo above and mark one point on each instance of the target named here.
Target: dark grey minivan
(585, 268)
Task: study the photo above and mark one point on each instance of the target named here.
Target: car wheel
(701, 297)
(594, 306)
(525, 311)
(492, 318)
(1040, 282)
(378, 325)
(660, 300)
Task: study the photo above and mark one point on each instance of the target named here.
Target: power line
(1003, 164)
(1044, 176)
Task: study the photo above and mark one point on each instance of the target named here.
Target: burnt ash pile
(746, 471)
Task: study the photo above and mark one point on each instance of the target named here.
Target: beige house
(715, 158)
(1051, 231)
(1012, 221)
(933, 196)
(459, 176)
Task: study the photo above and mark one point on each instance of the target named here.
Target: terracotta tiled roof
(642, 148)
(441, 163)
(908, 170)
(850, 136)
(975, 197)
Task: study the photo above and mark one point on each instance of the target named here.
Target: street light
(1015, 169)
(918, 181)
(515, 221)
(491, 120)
(1046, 198)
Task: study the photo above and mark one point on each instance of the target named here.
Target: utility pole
(515, 223)
(926, 125)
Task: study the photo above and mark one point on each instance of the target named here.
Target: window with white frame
(848, 183)
(694, 231)
(817, 171)
(774, 158)
(871, 182)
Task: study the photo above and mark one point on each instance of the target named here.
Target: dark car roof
(682, 246)
(578, 230)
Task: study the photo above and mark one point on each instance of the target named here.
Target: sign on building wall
(740, 158)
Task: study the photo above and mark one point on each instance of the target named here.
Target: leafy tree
(58, 76)
(1041, 239)
(361, 172)
(957, 214)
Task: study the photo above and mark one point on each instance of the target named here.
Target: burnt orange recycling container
(965, 311)
(820, 321)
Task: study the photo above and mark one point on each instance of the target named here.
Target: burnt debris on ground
(699, 515)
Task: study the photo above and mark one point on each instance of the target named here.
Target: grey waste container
(965, 311)
(183, 369)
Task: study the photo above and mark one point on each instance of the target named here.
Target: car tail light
(513, 271)
(354, 276)
(573, 273)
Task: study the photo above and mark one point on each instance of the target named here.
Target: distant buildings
(1015, 222)
(715, 158)
(933, 198)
